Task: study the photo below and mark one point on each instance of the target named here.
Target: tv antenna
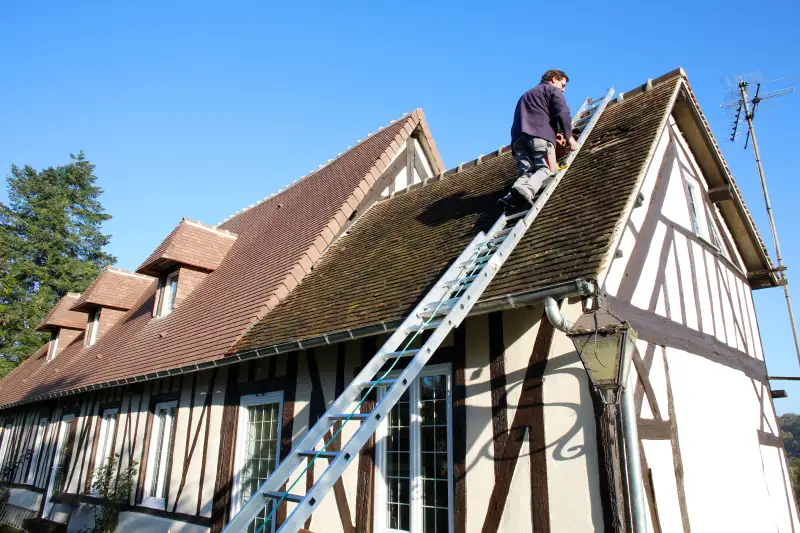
(740, 105)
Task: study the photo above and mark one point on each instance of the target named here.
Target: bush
(113, 492)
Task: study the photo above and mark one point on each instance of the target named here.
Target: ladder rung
(433, 324)
(475, 262)
(315, 453)
(438, 309)
(285, 496)
(378, 382)
(504, 232)
(351, 416)
(440, 305)
(496, 240)
(406, 353)
(461, 281)
(516, 215)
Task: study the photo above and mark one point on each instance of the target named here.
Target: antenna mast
(743, 104)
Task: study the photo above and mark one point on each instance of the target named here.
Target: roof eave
(697, 132)
(577, 287)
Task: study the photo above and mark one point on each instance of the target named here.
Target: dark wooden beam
(719, 194)
(768, 439)
(659, 330)
(654, 429)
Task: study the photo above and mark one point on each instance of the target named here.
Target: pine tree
(50, 244)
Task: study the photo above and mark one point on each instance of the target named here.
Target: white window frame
(148, 500)
(5, 437)
(166, 297)
(105, 445)
(697, 212)
(379, 509)
(61, 437)
(91, 328)
(241, 433)
(53, 348)
(37, 450)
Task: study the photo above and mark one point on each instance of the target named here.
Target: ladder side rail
(452, 320)
(548, 191)
(284, 470)
(412, 325)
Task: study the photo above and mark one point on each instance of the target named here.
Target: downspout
(635, 489)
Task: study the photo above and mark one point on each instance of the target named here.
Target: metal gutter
(576, 287)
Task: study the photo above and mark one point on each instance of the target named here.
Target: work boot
(513, 202)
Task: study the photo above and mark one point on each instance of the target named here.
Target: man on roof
(541, 119)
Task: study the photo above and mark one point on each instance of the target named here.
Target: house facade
(205, 365)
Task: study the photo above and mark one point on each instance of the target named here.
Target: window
(105, 446)
(166, 296)
(257, 449)
(5, 439)
(36, 450)
(716, 239)
(694, 208)
(91, 330)
(159, 458)
(58, 467)
(414, 490)
(53, 348)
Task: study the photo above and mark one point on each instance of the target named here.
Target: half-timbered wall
(712, 457)
(522, 434)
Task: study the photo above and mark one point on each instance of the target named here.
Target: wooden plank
(677, 458)
(498, 382)
(529, 418)
(721, 193)
(663, 332)
(224, 481)
(460, 429)
(366, 459)
(654, 429)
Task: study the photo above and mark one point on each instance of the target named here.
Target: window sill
(154, 503)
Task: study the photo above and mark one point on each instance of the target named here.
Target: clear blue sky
(198, 109)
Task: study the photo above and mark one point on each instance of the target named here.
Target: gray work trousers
(536, 161)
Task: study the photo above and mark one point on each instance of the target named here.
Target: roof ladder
(441, 310)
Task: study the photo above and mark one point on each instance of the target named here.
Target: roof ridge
(320, 167)
(464, 165)
(209, 227)
(118, 270)
(649, 85)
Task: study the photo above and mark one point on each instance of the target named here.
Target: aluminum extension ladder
(442, 309)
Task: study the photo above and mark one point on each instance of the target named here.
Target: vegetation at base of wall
(790, 432)
(113, 490)
(7, 474)
(50, 244)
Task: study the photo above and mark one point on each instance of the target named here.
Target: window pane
(433, 441)
(261, 455)
(398, 469)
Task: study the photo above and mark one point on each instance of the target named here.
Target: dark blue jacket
(541, 112)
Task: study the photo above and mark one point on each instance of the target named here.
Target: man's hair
(554, 74)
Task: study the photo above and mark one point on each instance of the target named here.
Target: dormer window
(166, 294)
(52, 350)
(91, 330)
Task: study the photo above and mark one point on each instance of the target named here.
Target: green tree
(50, 244)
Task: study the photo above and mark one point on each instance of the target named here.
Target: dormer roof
(62, 315)
(115, 288)
(191, 243)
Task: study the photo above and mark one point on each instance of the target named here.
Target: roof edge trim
(576, 287)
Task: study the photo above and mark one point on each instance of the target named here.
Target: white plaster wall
(480, 449)
(572, 457)
(726, 489)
